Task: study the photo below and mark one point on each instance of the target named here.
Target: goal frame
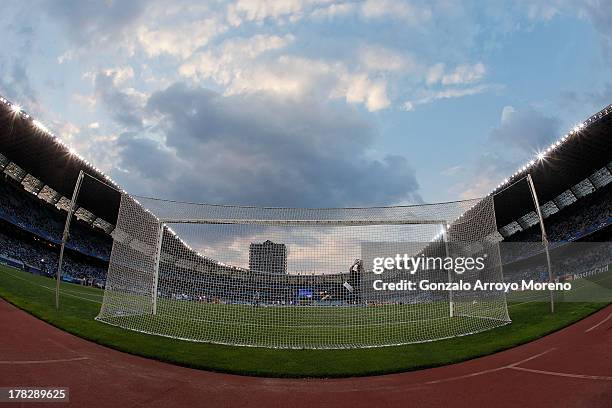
(179, 270)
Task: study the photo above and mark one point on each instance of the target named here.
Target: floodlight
(16, 109)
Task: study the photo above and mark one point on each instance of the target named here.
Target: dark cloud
(123, 107)
(96, 21)
(261, 150)
(526, 130)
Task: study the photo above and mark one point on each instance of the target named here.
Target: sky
(308, 103)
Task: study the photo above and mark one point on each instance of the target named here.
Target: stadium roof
(43, 164)
(573, 166)
(49, 168)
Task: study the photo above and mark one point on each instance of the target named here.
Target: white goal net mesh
(299, 278)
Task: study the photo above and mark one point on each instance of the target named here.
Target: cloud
(452, 171)
(403, 10)
(446, 84)
(435, 74)
(333, 10)
(15, 83)
(124, 105)
(378, 58)
(140, 151)
(431, 96)
(601, 97)
(479, 178)
(282, 11)
(600, 14)
(181, 40)
(97, 22)
(525, 130)
(227, 62)
(359, 88)
(260, 10)
(544, 10)
(152, 27)
(520, 134)
(260, 149)
(507, 112)
(119, 75)
(249, 65)
(462, 74)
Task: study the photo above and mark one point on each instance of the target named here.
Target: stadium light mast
(551, 276)
(75, 194)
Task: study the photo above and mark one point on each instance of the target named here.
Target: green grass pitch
(301, 327)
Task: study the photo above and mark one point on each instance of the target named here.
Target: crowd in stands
(589, 214)
(580, 258)
(42, 257)
(27, 211)
(31, 231)
(575, 222)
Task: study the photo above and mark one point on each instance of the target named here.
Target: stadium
(192, 284)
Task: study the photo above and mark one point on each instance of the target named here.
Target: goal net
(302, 278)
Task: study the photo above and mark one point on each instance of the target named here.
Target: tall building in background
(268, 257)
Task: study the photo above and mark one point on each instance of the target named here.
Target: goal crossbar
(305, 223)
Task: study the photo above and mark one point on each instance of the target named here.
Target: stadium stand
(579, 222)
(585, 216)
(22, 209)
(27, 251)
(30, 234)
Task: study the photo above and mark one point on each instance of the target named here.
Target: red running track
(570, 368)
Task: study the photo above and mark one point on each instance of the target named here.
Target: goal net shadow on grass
(298, 278)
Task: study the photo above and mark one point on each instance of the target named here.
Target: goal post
(296, 277)
(544, 237)
(450, 274)
(158, 254)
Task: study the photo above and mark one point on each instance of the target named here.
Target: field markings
(599, 324)
(530, 358)
(490, 370)
(461, 377)
(515, 366)
(60, 360)
(569, 375)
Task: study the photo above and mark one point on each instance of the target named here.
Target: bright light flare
(16, 109)
(40, 126)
